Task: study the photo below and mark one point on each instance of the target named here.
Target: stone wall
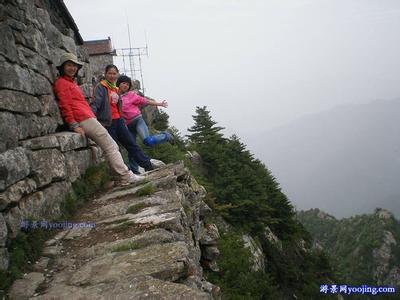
(98, 63)
(38, 161)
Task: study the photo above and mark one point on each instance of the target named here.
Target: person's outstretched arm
(152, 102)
(139, 100)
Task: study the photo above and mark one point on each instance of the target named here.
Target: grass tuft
(126, 247)
(134, 209)
(148, 189)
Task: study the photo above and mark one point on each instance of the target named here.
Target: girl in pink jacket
(131, 103)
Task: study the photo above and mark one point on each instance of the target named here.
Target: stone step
(140, 287)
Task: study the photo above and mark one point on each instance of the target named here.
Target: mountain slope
(365, 248)
(345, 160)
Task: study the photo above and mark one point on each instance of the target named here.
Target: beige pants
(95, 131)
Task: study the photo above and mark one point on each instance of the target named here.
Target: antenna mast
(134, 55)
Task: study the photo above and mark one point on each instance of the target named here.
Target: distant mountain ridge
(365, 249)
(345, 160)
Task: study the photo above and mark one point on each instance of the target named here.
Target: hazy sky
(255, 64)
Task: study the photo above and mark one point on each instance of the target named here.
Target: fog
(255, 64)
(345, 161)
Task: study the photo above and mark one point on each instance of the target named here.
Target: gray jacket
(101, 105)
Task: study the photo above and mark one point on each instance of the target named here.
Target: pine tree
(207, 140)
(204, 129)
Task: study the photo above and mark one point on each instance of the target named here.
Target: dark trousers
(120, 133)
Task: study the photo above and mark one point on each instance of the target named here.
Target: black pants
(120, 133)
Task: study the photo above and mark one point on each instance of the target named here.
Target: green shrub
(24, 250)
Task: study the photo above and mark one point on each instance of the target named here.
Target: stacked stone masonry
(38, 161)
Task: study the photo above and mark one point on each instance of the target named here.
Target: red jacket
(71, 101)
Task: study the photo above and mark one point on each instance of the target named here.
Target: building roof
(99, 47)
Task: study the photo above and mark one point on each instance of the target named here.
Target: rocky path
(146, 244)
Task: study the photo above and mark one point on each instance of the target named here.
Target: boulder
(145, 239)
(53, 36)
(210, 253)
(256, 252)
(209, 235)
(69, 44)
(41, 85)
(8, 48)
(16, 25)
(54, 195)
(10, 172)
(272, 238)
(41, 265)
(13, 218)
(16, 191)
(9, 131)
(77, 162)
(34, 39)
(33, 126)
(34, 61)
(165, 262)
(18, 102)
(44, 204)
(47, 165)
(11, 10)
(26, 287)
(70, 141)
(17, 78)
(49, 107)
(129, 287)
(42, 142)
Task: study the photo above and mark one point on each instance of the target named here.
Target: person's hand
(164, 103)
(80, 131)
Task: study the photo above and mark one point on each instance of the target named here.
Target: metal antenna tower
(132, 60)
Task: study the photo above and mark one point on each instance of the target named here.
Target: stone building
(38, 162)
(101, 54)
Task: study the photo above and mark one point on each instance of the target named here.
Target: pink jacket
(130, 105)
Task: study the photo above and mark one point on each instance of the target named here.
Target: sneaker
(136, 172)
(149, 167)
(131, 179)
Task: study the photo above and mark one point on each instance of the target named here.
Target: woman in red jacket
(80, 118)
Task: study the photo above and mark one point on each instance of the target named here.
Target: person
(131, 103)
(80, 118)
(106, 105)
